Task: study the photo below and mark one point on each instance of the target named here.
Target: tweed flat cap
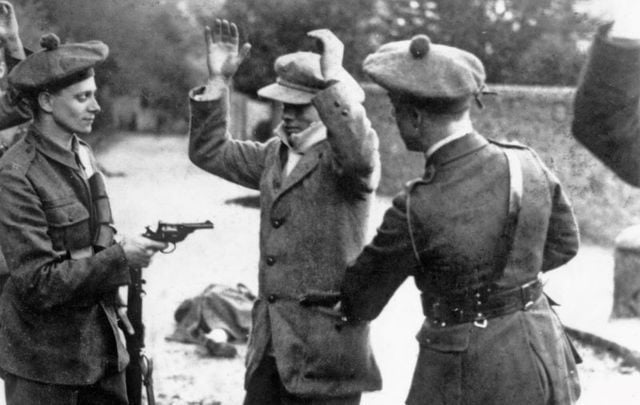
(300, 79)
(425, 70)
(57, 65)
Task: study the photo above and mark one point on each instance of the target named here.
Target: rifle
(140, 369)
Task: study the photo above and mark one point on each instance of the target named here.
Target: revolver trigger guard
(170, 249)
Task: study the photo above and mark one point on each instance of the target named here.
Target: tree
(507, 35)
(151, 44)
(277, 27)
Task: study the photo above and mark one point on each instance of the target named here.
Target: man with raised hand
(316, 178)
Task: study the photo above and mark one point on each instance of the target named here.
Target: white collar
(448, 139)
(316, 132)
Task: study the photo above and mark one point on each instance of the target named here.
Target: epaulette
(509, 144)
(411, 184)
(18, 157)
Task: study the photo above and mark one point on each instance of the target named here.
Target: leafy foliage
(277, 27)
(519, 41)
(150, 44)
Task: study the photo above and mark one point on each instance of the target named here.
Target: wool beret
(299, 79)
(424, 70)
(56, 65)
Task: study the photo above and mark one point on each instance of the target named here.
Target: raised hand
(9, 31)
(332, 53)
(223, 56)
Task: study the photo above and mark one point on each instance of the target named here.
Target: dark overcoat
(606, 108)
(57, 319)
(457, 213)
(312, 223)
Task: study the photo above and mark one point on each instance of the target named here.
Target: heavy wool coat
(457, 216)
(312, 223)
(57, 319)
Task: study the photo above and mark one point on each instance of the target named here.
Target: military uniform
(59, 340)
(312, 223)
(475, 232)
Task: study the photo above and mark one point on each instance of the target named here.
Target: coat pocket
(336, 350)
(447, 339)
(69, 226)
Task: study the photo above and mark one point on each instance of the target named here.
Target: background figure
(59, 339)
(10, 53)
(316, 180)
(606, 107)
(475, 232)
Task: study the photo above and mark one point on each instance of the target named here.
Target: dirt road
(158, 182)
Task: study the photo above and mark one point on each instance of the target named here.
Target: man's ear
(45, 101)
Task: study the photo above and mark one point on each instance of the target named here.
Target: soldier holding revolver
(59, 342)
(316, 179)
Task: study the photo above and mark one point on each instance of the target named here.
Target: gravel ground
(155, 181)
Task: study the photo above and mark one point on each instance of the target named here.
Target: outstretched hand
(332, 53)
(9, 31)
(223, 56)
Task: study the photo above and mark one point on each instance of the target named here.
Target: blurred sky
(607, 9)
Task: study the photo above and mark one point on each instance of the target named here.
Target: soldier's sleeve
(43, 277)
(606, 106)
(353, 141)
(563, 238)
(212, 148)
(381, 268)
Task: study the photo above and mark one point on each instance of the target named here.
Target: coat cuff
(116, 262)
(335, 99)
(215, 109)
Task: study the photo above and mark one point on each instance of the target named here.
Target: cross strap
(516, 189)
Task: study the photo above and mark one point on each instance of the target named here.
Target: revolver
(173, 233)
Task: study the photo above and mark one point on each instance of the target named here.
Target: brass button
(271, 260)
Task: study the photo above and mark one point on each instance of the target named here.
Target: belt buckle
(480, 322)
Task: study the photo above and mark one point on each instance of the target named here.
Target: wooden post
(626, 274)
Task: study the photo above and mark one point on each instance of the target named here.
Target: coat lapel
(306, 164)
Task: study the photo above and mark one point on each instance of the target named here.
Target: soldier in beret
(59, 339)
(316, 178)
(475, 232)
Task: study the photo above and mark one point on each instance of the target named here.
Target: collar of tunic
(457, 148)
(54, 151)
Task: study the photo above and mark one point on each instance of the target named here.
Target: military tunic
(457, 215)
(57, 316)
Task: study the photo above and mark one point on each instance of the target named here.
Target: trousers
(109, 390)
(266, 388)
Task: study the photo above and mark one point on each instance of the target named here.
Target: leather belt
(480, 305)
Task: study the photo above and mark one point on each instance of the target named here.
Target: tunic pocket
(69, 226)
(445, 339)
